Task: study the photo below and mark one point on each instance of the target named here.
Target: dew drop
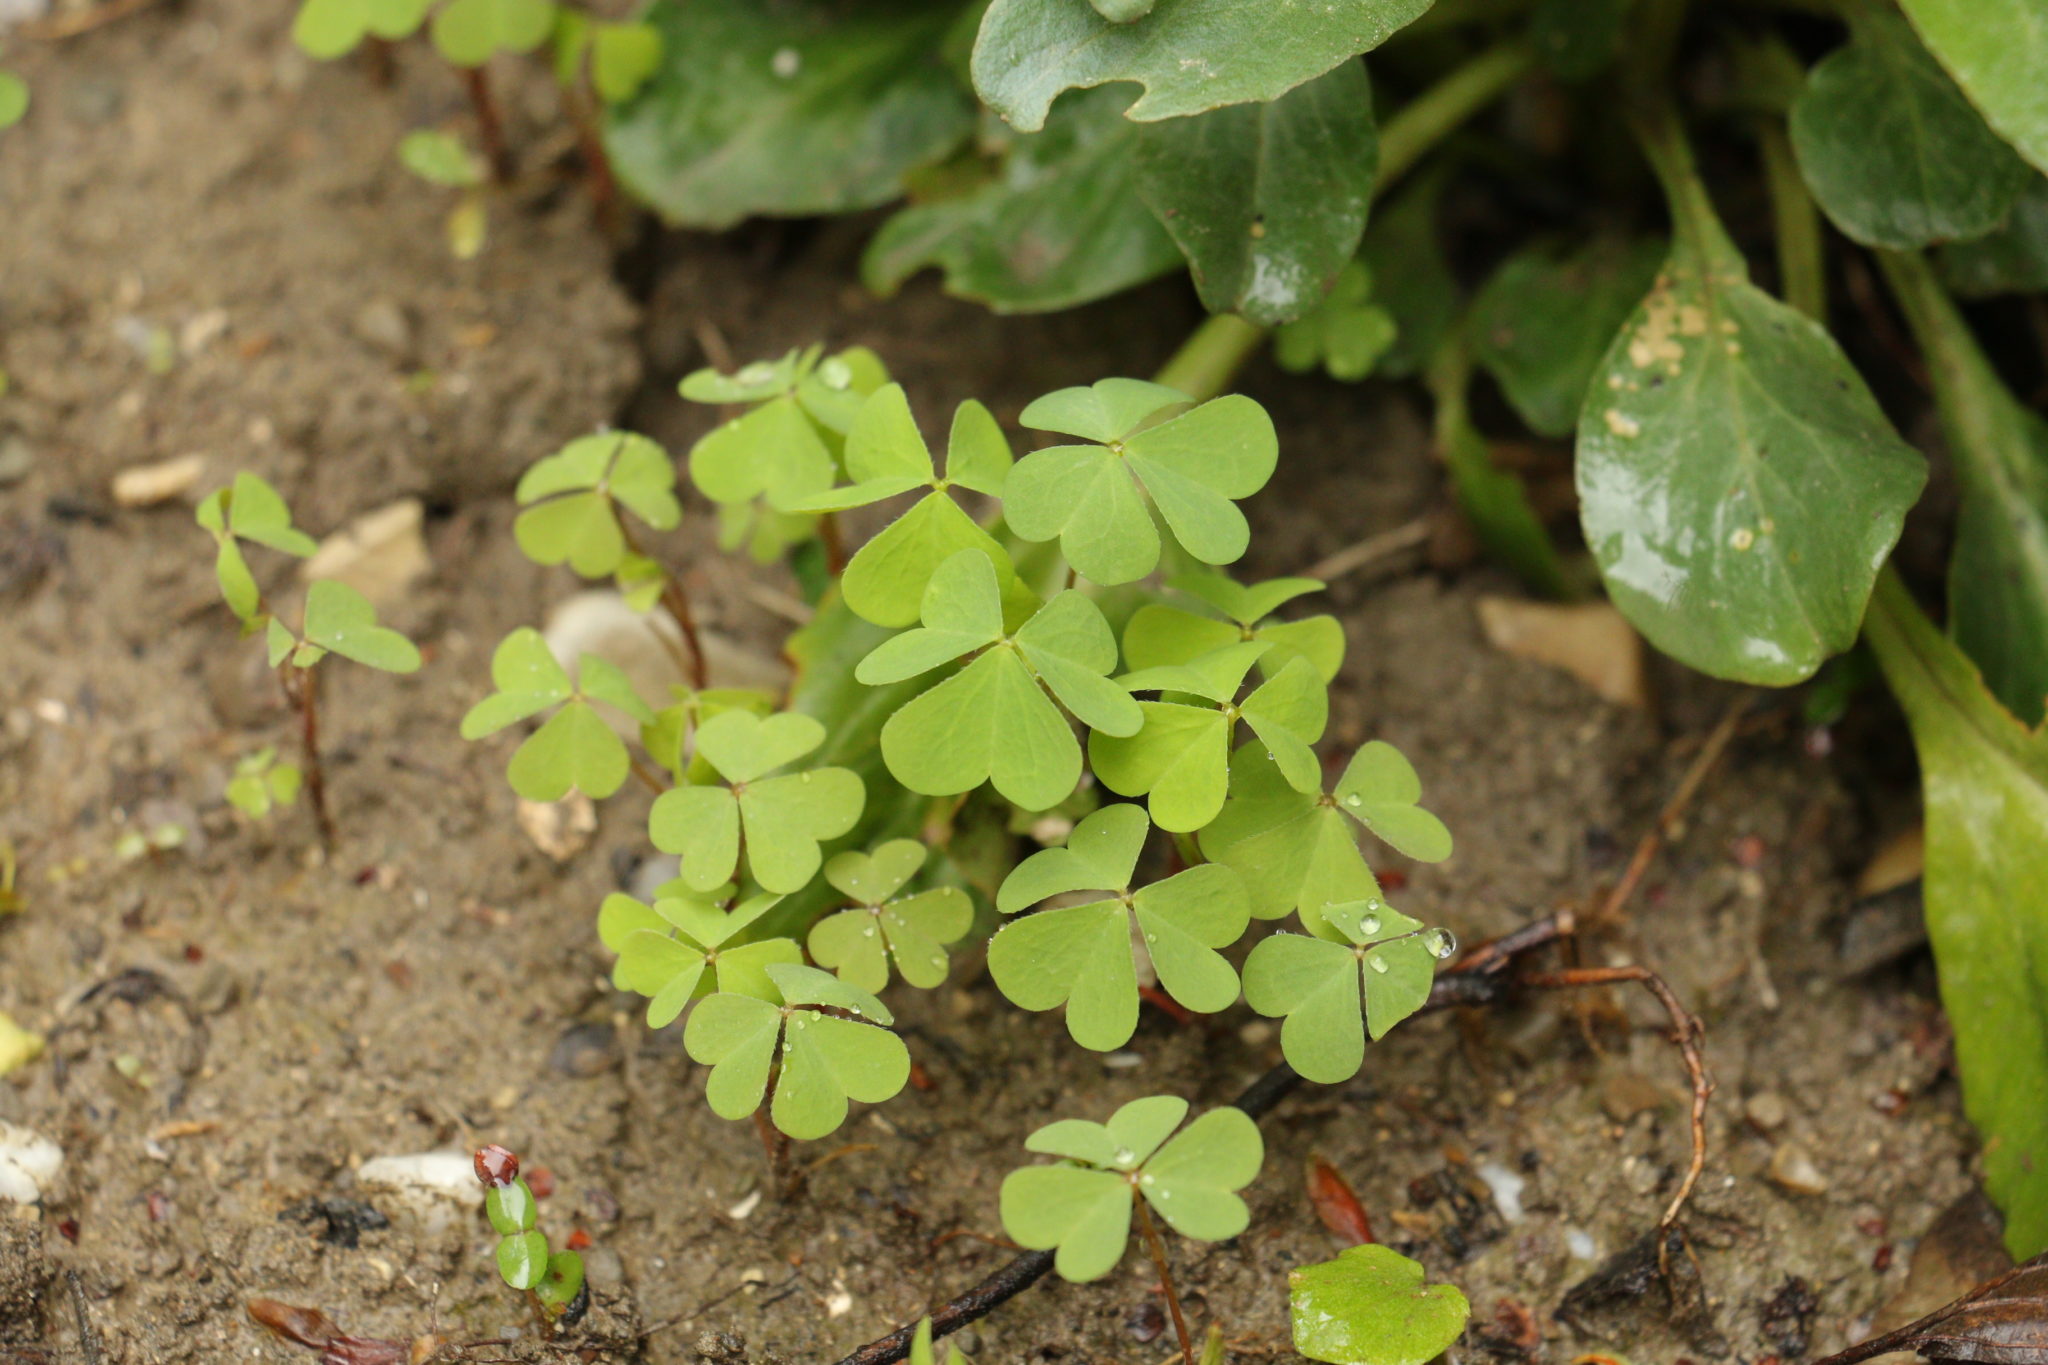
(1442, 942)
(1166, 1194)
(1379, 964)
(1354, 800)
(1125, 1156)
(1151, 938)
(1369, 925)
(804, 776)
(868, 932)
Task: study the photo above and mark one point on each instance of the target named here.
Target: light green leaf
(570, 499)
(1998, 577)
(1190, 55)
(471, 32)
(1193, 467)
(325, 29)
(1996, 50)
(886, 579)
(1542, 323)
(1193, 1180)
(829, 1061)
(915, 930)
(753, 382)
(1986, 888)
(1379, 789)
(736, 1036)
(523, 1259)
(1105, 411)
(989, 722)
(511, 1208)
(1266, 200)
(1101, 854)
(256, 512)
(791, 110)
(1086, 1214)
(14, 99)
(743, 746)
(1071, 649)
(1738, 484)
(773, 452)
(787, 818)
(1333, 993)
(623, 58)
(238, 585)
(1181, 758)
(1055, 226)
(1890, 148)
(1159, 634)
(977, 453)
(278, 641)
(528, 681)
(441, 158)
(1345, 333)
(574, 749)
(1371, 1307)
(340, 619)
(962, 611)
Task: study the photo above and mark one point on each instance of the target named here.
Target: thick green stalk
(1211, 356)
(1795, 220)
(1695, 227)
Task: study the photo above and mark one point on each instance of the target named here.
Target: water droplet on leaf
(1442, 942)
(1379, 964)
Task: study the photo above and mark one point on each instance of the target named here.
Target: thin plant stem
(598, 180)
(302, 693)
(1158, 1250)
(676, 603)
(833, 543)
(1795, 222)
(645, 775)
(490, 127)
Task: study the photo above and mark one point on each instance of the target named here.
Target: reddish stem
(302, 693)
(490, 128)
(1158, 1250)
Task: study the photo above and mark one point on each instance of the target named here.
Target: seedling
(1083, 1205)
(551, 1280)
(261, 783)
(1371, 1307)
(443, 159)
(337, 619)
(912, 931)
(684, 946)
(921, 1352)
(575, 749)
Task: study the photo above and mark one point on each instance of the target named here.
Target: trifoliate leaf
(1371, 1307)
(1334, 993)
(1192, 467)
(993, 719)
(340, 619)
(680, 949)
(858, 943)
(1159, 634)
(572, 499)
(471, 32)
(575, 748)
(1084, 1209)
(325, 29)
(255, 511)
(1081, 956)
(1346, 333)
(1379, 789)
(776, 823)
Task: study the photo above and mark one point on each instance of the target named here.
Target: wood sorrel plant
(336, 620)
(966, 670)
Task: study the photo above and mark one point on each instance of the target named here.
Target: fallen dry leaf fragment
(2001, 1322)
(1336, 1204)
(146, 485)
(1593, 642)
(380, 554)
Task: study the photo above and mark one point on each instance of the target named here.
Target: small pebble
(1793, 1169)
(585, 1050)
(1766, 1109)
(17, 460)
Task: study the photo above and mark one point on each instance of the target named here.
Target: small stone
(1793, 1169)
(560, 829)
(1766, 1109)
(146, 485)
(380, 554)
(1145, 1323)
(17, 460)
(29, 1162)
(585, 1050)
(1625, 1093)
(383, 324)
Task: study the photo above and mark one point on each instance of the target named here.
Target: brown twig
(82, 21)
(1157, 1248)
(302, 693)
(1674, 811)
(490, 127)
(645, 774)
(1371, 550)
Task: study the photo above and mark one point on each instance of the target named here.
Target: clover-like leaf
(680, 949)
(886, 457)
(340, 619)
(1093, 497)
(1081, 956)
(1334, 993)
(572, 499)
(993, 719)
(1082, 1206)
(471, 32)
(1180, 760)
(1159, 633)
(442, 158)
(1371, 1307)
(261, 783)
(775, 823)
(248, 509)
(857, 943)
(575, 748)
(670, 737)
(329, 28)
(820, 1060)
(1298, 850)
(1345, 334)
(773, 452)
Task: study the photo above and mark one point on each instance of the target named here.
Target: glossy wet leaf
(571, 501)
(1738, 484)
(775, 823)
(1985, 778)
(1056, 225)
(471, 32)
(1081, 955)
(1180, 760)
(681, 948)
(1542, 323)
(1996, 50)
(887, 457)
(914, 930)
(1192, 469)
(788, 110)
(441, 159)
(1160, 633)
(1082, 1206)
(2012, 260)
(1299, 850)
(1346, 334)
(824, 1060)
(1190, 55)
(1333, 993)
(523, 1259)
(1266, 200)
(1891, 149)
(1370, 1306)
(340, 619)
(511, 1208)
(559, 1288)
(994, 720)
(330, 28)
(1998, 575)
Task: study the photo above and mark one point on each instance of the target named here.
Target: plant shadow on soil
(271, 1021)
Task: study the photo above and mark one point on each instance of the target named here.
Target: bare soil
(237, 1025)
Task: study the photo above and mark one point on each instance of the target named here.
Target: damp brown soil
(237, 1025)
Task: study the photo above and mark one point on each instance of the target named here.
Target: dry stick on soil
(1480, 978)
(1157, 1248)
(1372, 550)
(302, 694)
